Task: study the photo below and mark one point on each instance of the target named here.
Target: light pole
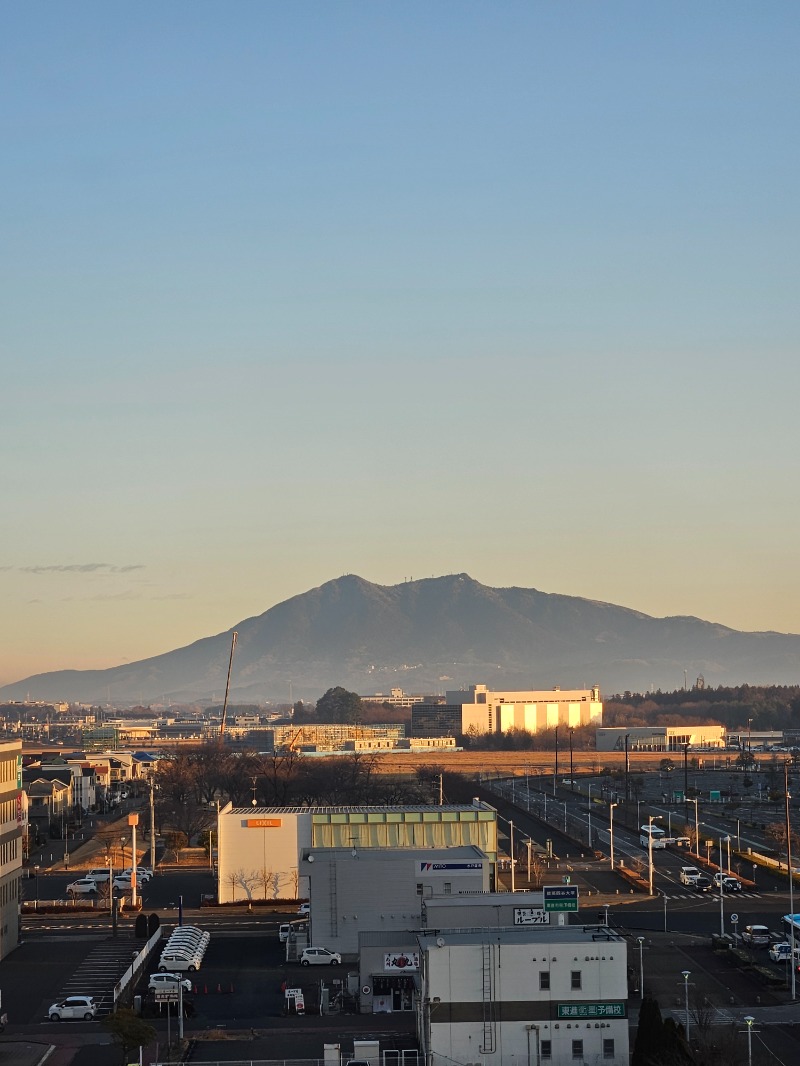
(749, 1023)
(590, 816)
(571, 774)
(511, 846)
(650, 819)
(696, 826)
(641, 966)
(728, 842)
(36, 876)
(721, 895)
(611, 807)
(791, 876)
(686, 974)
(555, 763)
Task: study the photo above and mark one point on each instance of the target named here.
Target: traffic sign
(166, 995)
(734, 918)
(560, 897)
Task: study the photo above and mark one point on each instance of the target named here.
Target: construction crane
(234, 637)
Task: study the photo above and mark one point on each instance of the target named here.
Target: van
(689, 875)
(284, 929)
(100, 875)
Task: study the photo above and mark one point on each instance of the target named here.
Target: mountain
(428, 636)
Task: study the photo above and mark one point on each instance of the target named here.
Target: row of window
(574, 977)
(9, 892)
(8, 769)
(10, 851)
(546, 1049)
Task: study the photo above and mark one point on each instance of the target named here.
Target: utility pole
(152, 826)
(793, 965)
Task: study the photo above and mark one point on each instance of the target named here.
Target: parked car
(143, 873)
(320, 957)
(176, 961)
(84, 886)
(160, 981)
(73, 1007)
(123, 882)
(102, 873)
(757, 935)
(304, 908)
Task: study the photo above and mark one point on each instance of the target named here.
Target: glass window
(546, 1049)
(544, 980)
(577, 1049)
(608, 1048)
(576, 980)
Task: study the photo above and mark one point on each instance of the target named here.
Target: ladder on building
(488, 1045)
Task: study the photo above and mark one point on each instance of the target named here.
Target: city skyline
(400, 292)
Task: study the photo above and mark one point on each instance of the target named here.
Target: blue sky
(291, 291)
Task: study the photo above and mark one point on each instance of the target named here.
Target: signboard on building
(263, 823)
(560, 897)
(448, 867)
(591, 1010)
(166, 995)
(531, 916)
(400, 961)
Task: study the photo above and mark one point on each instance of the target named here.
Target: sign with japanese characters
(531, 916)
(560, 897)
(591, 1010)
(400, 961)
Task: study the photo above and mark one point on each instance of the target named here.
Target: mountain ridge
(429, 635)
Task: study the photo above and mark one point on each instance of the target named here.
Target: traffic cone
(195, 989)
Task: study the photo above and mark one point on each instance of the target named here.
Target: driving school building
(259, 849)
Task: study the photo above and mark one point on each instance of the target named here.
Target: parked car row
(184, 950)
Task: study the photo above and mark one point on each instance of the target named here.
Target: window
(544, 980)
(419, 889)
(576, 981)
(448, 887)
(545, 1049)
(577, 1049)
(608, 1048)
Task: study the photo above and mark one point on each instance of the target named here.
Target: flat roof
(588, 935)
(422, 808)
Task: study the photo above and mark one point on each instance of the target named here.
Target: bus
(652, 836)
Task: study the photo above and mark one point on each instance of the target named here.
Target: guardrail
(139, 960)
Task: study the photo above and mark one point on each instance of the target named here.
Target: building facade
(550, 996)
(11, 823)
(660, 737)
(483, 710)
(259, 848)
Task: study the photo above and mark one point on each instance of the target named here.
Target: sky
(297, 290)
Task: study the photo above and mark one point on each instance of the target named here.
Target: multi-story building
(550, 995)
(483, 710)
(10, 843)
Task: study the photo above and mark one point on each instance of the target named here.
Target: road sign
(560, 897)
(167, 995)
(734, 918)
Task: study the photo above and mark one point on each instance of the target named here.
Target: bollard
(231, 987)
(219, 989)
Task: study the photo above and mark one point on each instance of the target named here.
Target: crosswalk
(99, 972)
(731, 898)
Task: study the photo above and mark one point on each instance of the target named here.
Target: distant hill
(431, 635)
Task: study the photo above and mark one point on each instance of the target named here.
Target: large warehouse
(660, 737)
(483, 710)
(259, 848)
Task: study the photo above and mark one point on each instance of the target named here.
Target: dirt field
(515, 762)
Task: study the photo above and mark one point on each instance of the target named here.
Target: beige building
(480, 709)
(660, 737)
(259, 849)
(11, 818)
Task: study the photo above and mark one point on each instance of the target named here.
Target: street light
(686, 974)
(696, 825)
(36, 876)
(650, 819)
(721, 894)
(641, 966)
(590, 816)
(611, 807)
(749, 1023)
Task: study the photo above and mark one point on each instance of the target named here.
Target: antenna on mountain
(234, 635)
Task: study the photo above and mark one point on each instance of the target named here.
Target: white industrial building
(259, 849)
(549, 996)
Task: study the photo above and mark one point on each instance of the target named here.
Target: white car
(143, 873)
(304, 908)
(123, 882)
(84, 886)
(73, 1007)
(159, 981)
(177, 961)
(320, 957)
